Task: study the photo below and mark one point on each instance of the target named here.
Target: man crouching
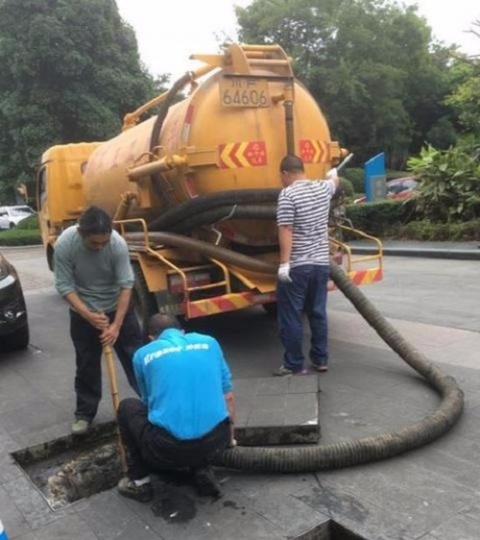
(186, 412)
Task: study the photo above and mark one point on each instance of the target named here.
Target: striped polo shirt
(304, 205)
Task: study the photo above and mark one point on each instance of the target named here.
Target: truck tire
(144, 303)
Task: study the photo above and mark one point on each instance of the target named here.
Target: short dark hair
(160, 322)
(94, 220)
(291, 163)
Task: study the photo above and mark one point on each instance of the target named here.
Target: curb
(432, 253)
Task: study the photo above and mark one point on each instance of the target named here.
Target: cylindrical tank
(229, 134)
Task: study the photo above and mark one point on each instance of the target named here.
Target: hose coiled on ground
(331, 456)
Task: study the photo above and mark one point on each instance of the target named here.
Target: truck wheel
(144, 303)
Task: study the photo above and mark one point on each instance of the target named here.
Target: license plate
(244, 92)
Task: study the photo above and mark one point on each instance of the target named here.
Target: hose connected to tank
(321, 457)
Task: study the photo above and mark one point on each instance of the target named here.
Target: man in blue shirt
(186, 412)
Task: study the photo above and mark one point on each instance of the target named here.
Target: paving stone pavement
(432, 493)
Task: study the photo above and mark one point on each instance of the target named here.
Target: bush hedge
(26, 233)
(378, 218)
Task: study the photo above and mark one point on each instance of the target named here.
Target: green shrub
(29, 223)
(377, 218)
(357, 177)
(449, 188)
(346, 187)
(22, 236)
(451, 232)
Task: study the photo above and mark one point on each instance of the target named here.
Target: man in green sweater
(93, 274)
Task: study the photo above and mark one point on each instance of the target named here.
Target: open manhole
(71, 468)
(74, 467)
(330, 530)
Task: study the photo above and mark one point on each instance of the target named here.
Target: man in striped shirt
(302, 219)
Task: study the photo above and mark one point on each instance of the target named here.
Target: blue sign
(375, 178)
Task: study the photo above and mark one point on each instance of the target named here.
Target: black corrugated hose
(331, 456)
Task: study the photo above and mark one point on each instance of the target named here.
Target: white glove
(332, 174)
(284, 273)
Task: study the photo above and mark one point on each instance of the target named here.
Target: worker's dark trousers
(88, 351)
(150, 448)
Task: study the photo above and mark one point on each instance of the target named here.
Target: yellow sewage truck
(193, 189)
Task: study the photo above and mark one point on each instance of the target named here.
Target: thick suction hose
(320, 457)
(364, 450)
(205, 248)
(205, 203)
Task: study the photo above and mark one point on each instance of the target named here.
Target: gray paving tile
(473, 512)
(9, 470)
(12, 518)
(359, 516)
(68, 528)
(219, 520)
(459, 527)
(374, 480)
(28, 536)
(22, 420)
(106, 514)
(30, 503)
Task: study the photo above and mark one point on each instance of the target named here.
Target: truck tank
(211, 158)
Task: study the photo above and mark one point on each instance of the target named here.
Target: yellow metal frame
(350, 260)
(182, 272)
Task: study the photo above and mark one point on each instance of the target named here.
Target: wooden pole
(108, 353)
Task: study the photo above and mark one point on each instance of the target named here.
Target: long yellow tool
(108, 353)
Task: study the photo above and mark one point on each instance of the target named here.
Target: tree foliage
(449, 183)
(370, 64)
(70, 71)
(465, 98)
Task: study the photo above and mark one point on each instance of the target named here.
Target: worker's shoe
(320, 367)
(80, 426)
(128, 488)
(283, 371)
(207, 483)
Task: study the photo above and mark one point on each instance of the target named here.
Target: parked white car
(10, 216)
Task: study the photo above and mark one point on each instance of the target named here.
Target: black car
(14, 332)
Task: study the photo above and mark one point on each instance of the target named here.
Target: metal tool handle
(344, 162)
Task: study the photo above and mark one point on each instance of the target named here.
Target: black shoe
(206, 482)
(128, 488)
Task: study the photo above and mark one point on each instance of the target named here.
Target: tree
(70, 71)
(465, 98)
(369, 64)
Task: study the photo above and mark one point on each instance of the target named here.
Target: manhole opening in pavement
(71, 468)
(330, 530)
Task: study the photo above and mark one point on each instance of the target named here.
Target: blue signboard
(375, 178)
